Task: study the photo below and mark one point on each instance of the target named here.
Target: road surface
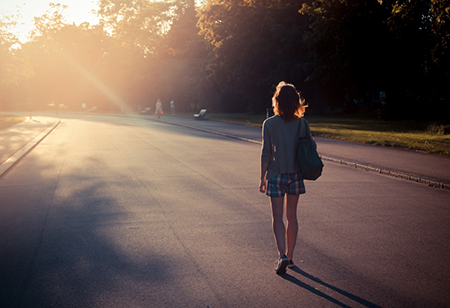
(125, 212)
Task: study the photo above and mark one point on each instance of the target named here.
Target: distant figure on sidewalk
(280, 169)
(172, 107)
(158, 110)
(30, 108)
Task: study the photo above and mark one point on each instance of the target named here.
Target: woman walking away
(280, 169)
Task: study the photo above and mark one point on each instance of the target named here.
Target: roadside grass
(427, 137)
(9, 120)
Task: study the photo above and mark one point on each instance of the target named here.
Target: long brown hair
(287, 102)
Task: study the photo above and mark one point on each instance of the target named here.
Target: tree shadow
(301, 284)
(76, 256)
(55, 250)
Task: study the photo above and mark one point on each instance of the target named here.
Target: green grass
(427, 137)
(9, 120)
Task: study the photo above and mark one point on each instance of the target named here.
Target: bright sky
(78, 11)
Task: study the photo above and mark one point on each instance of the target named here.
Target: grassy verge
(9, 120)
(428, 137)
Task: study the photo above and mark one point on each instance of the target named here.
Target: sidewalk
(429, 169)
(19, 139)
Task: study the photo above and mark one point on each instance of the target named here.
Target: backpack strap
(303, 127)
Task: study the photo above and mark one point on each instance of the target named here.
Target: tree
(137, 23)
(253, 45)
(361, 47)
(348, 44)
(183, 55)
(165, 35)
(64, 57)
(439, 10)
(14, 66)
(422, 28)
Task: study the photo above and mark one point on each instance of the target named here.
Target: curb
(360, 166)
(209, 131)
(15, 158)
(395, 174)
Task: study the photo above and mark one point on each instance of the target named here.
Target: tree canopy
(228, 55)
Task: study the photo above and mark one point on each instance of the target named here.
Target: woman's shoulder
(272, 120)
(277, 120)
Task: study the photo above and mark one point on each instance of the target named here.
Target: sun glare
(115, 99)
(78, 11)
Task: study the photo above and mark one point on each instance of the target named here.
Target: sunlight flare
(115, 99)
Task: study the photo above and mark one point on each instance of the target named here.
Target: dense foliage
(228, 55)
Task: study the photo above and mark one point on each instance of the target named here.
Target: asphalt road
(123, 212)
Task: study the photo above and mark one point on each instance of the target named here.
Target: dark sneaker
(281, 265)
(291, 264)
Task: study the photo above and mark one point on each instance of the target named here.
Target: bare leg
(279, 231)
(292, 224)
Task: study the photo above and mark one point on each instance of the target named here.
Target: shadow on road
(301, 284)
(68, 240)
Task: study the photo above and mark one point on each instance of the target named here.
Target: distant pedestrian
(158, 110)
(172, 106)
(280, 169)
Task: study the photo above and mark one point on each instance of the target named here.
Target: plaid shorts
(290, 183)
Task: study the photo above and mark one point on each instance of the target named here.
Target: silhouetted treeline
(228, 55)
